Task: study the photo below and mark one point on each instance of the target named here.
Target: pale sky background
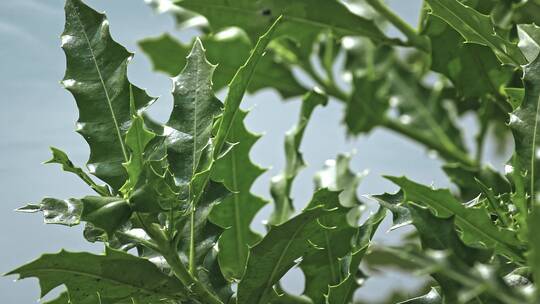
(37, 113)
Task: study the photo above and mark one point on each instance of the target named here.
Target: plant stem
(328, 86)
(446, 152)
(414, 39)
(192, 243)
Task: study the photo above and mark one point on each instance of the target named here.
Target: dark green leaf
(401, 216)
(96, 75)
(476, 28)
(107, 213)
(112, 277)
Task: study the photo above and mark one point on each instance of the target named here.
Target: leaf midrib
(96, 276)
(98, 70)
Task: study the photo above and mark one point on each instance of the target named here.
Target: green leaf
(401, 216)
(529, 40)
(235, 214)
(137, 138)
(60, 157)
(300, 22)
(107, 213)
(183, 18)
(473, 69)
(55, 211)
(277, 252)
(96, 75)
(432, 297)
(475, 223)
(280, 185)
(228, 49)
(476, 28)
(337, 176)
(63, 298)
(190, 124)
(342, 293)
(112, 277)
(524, 123)
(321, 266)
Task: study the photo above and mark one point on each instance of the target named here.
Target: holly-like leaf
(190, 124)
(342, 293)
(529, 40)
(401, 216)
(476, 28)
(301, 21)
(237, 211)
(277, 252)
(281, 184)
(96, 75)
(108, 278)
(475, 223)
(55, 211)
(524, 122)
(228, 49)
(473, 69)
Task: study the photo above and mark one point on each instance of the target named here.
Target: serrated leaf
(281, 184)
(55, 211)
(237, 211)
(228, 49)
(401, 216)
(112, 277)
(190, 124)
(96, 75)
(342, 293)
(337, 176)
(476, 28)
(321, 266)
(473, 69)
(277, 252)
(475, 223)
(300, 22)
(529, 40)
(107, 213)
(63, 298)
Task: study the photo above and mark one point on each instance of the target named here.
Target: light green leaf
(60, 157)
(476, 28)
(228, 49)
(112, 277)
(280, 185)
(277, 252)
(64, 212)
(96, 75)
(300, 21)
(529, 40)
(237, 211)
(475, 223)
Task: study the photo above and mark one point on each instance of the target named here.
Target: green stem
(454, 154)
(192, 243)
(327, 85)
(414, 39)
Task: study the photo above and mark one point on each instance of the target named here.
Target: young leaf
(303, 19)
(228, 49)
(401, 216)
(476, 28)
(237, 211)
(475, 223)
(111, 278)
(60, 157)
(55, 211)
(96, 75)
(190, 123)
(277, 252)
(280, 185)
